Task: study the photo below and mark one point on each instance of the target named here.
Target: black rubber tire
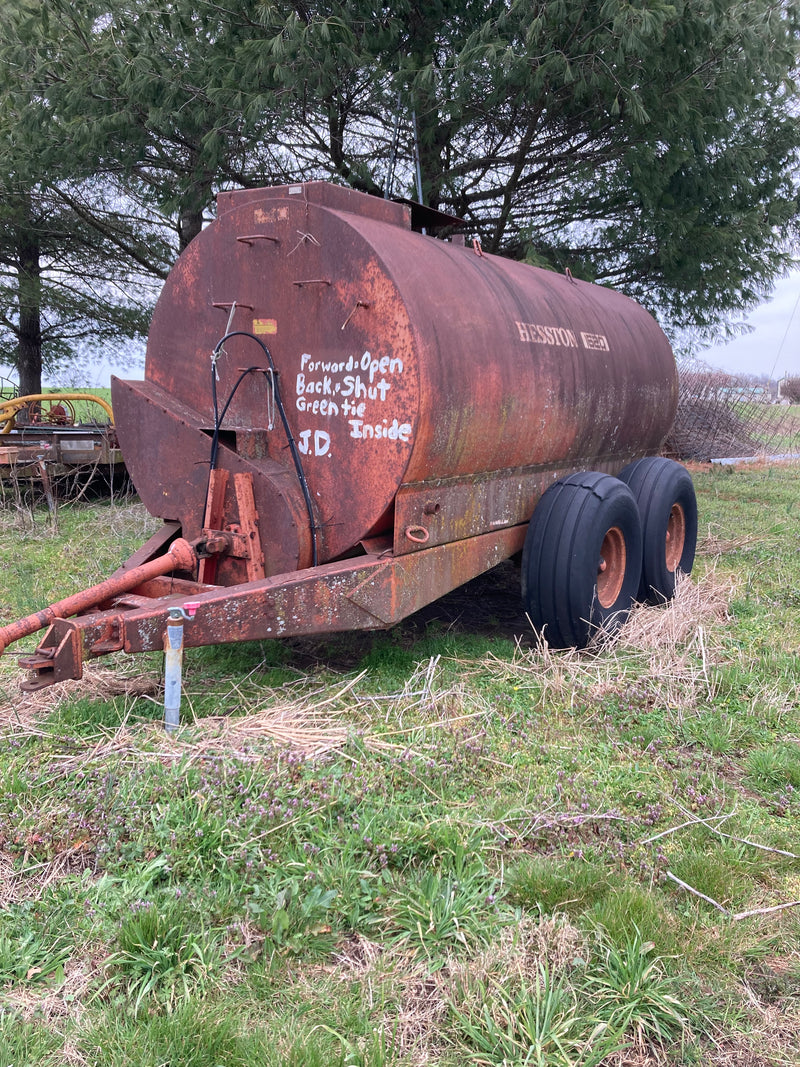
(561, 560)
(665, 496)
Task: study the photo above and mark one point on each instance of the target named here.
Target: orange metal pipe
(180, 556)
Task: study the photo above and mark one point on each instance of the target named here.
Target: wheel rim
(611, 568)
(675, 538)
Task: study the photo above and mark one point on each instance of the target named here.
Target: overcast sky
(773, 345)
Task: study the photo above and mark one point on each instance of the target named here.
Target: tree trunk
(190, 224)
(431, 133)
(29, 297)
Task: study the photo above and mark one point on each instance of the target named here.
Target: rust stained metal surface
(179, 556)
(455, 508)
(370, 592)
(524, 367)
(169, 445)
(337, 366)
(402, 360)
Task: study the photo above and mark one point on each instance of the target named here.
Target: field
(439, 845)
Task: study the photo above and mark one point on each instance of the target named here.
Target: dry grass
(66, 1001)
(388, 975)
(32, 883)
(773, 1039)
(551, 941)
(9, 879)
(312, 723)
(421, 1000)
(673, 647)
(24, 710)
(636, 1057)
(316, 722)
(355, 956)
(713, 546)
(417, 1024)
(61, 1009)
(699, 603)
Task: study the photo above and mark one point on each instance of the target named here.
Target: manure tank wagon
(343, 419)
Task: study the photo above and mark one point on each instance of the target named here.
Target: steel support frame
(369, 592)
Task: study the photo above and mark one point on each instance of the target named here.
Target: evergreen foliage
(647, 144)
(66, 285)
(77, 255)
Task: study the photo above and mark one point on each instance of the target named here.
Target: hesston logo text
(535, 333)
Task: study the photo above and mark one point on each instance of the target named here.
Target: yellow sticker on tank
(265, 326)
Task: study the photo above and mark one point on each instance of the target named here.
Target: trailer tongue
(372, 591)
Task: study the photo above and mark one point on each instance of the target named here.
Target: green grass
(469, 855)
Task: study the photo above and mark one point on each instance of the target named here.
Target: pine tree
(77, 259)
(150, 91)
(651, 145)
(648, 144)
(66, 286)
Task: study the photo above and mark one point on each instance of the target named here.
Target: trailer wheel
(581, 562)
(667, 505)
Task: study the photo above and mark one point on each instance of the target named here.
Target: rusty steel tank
(343, 418)
(433, 392)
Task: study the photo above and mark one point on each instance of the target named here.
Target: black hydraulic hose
(219, 416)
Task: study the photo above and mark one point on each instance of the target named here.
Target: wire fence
(723, 416)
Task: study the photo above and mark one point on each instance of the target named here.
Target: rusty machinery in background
(342, 419)
(53, 439)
